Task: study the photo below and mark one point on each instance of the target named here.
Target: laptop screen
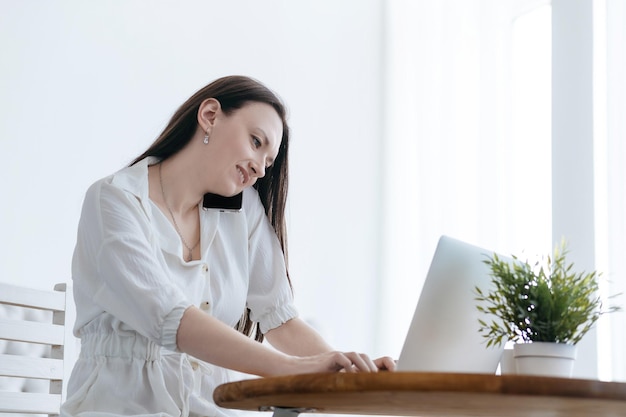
(443, 335)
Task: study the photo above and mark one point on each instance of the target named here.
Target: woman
(160, 282)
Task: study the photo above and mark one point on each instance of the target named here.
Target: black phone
(221, 203)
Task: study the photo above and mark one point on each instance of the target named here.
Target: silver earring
(206, 138)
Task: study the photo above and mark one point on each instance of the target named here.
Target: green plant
(541, 302)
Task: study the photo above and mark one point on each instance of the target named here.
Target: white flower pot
(507, 362)
(545, 359)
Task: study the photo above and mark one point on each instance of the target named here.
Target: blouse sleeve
(115, 267)
(270, 298)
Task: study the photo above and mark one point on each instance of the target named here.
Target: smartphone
(221, 203)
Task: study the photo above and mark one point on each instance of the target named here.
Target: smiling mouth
(243, 176)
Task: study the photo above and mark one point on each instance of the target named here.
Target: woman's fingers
(357, 362)
(385, 363)
(344, 362)
(363, 363)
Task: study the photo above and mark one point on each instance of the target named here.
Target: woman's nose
(258, 170)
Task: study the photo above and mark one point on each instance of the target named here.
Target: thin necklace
(189, 248)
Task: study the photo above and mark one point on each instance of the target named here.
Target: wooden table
(426, 394)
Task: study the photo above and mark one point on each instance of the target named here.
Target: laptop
(443, 335)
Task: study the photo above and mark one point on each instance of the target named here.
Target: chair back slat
(29, 403)
(29, 367)
(32, 332)
(33, 298)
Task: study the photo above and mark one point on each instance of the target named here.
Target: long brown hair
(233, 92)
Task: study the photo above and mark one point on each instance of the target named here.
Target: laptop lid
(443, 335)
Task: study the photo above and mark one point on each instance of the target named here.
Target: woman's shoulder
(134, 178)
(127, 183)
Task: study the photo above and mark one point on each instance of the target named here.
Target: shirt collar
(134, 178)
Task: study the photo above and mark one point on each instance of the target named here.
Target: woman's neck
(172, 185)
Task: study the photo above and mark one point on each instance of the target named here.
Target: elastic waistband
(115, 345)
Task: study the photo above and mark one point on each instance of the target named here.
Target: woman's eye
(256, 141)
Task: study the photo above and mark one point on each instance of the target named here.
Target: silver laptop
(443, 336)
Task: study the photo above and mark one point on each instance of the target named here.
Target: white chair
(21, 337)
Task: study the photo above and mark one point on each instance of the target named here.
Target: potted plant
(545, 306)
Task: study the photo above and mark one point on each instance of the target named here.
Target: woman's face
(242, 146)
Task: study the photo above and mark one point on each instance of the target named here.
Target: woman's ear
(207, 113)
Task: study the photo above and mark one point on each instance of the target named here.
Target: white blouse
(132, 285)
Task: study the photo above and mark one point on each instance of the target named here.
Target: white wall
(86, 86)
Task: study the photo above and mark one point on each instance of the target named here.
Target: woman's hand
(310, 353)
(385, 363)
(337, 362)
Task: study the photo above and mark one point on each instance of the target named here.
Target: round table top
(428, 394)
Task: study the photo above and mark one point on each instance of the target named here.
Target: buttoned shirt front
(132, 285)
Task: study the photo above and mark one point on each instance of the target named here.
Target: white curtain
(452, 163)
(459, 158)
